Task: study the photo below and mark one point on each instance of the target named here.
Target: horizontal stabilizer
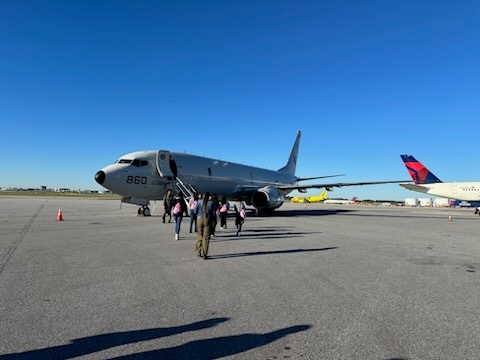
(413, 187)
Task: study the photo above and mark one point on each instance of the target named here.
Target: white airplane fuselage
(339, 202)
(467, 191)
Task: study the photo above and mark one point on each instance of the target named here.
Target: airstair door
(163, 164)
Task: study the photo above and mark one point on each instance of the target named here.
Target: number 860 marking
(136, 180)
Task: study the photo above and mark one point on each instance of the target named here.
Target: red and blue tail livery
(419, 173)
(427, 183)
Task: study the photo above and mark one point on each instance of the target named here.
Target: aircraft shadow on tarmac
(204, 349)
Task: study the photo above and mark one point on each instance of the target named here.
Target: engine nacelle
(267, 197)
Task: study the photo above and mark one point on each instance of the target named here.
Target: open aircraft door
(166, 165)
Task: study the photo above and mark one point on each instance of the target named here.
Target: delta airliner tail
(419, 173)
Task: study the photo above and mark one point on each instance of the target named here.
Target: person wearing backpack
(179, 207)
(224, 207)
(193, 217)
(240, 215)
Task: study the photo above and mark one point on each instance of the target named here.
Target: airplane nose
(100, 177)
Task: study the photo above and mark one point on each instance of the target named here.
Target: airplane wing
(272, 196)
(329, 186)
(319, 177)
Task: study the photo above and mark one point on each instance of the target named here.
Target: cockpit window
(134, 162)
(139, 163)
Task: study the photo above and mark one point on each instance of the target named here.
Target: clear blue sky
(83, 82)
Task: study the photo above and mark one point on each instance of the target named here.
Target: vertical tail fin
(419, 173)
(291, 165)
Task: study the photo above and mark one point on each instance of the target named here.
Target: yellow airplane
(310, 199)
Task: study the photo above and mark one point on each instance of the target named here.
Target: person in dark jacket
(167, 206)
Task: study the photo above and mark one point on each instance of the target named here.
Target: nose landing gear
(144, 210)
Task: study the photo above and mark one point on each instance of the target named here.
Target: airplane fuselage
(339, 202)
(467, 191)
(149, 174)
(310, 199)
(142, 176)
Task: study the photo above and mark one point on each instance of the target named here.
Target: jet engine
(267, 197)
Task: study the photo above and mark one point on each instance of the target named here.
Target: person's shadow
(216, 348)
(92, 344)
(195, 350)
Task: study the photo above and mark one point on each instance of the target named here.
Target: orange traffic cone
(59, 215)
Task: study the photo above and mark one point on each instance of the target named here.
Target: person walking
(204, 212)
(179, 207)
(224, 207)
(240, 215)
(167, 206)
(193, 217)
(216, 210)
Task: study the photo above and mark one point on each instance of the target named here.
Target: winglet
(291, 165)
(419, 173)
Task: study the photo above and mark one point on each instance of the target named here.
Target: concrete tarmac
(321, 282)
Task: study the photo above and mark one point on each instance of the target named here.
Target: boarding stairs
(187, 190)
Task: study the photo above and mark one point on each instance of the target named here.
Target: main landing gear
(144, 210)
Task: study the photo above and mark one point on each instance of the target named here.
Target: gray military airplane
(142, 176)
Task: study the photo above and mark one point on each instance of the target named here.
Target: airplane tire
(146, 212)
